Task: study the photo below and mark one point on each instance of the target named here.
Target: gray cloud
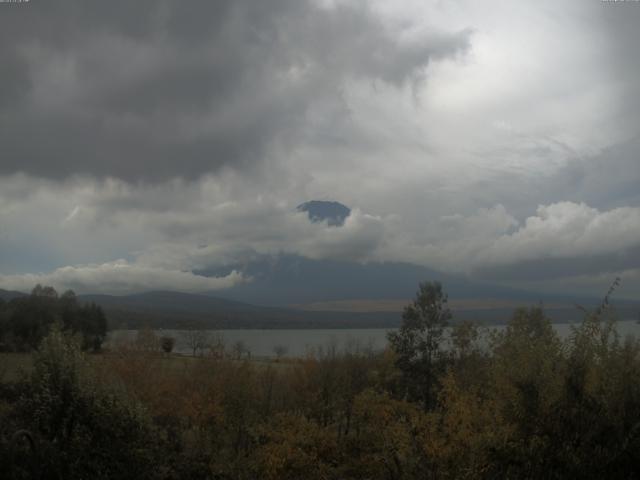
(162, 89)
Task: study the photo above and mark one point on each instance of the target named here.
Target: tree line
(527, 404)
(26, 320)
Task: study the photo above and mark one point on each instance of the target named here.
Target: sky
(143, 142)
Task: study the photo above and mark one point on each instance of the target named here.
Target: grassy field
(13, 365)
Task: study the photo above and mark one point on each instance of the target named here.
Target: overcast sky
(142, 141)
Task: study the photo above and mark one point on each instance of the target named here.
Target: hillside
(178, 310)
(7, 295)
(163, 309)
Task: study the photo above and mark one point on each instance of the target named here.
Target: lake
(299, 342)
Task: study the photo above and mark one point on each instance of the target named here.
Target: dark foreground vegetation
(26, 320)
(529, 405)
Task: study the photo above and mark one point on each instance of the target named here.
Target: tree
(464, 336)
(417, 343)
(386, 441)
(525, 388)
(28, 319)
(44, 292)
(239, 349)
(280, 351)
(93, 326)
(196, 339)
(217, 346)
(32, 316)
(294, 447)
(147, 340)
(167, 344)
(86, 429)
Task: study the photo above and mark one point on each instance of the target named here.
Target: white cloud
(237, 232)
(568, 230)
(119, 277)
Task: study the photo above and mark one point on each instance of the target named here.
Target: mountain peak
(334, 213)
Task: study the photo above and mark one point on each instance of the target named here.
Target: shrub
(85, 429)
(167, 344)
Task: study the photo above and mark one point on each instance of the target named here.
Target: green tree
(92, 326)
(88, 320)
(32, 316)
(85, 429)
(418, 342)
(28, 319)
(464, 337)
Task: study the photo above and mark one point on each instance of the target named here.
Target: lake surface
(263, 343)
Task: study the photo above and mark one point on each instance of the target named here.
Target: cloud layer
(161, 89)
(144, 142)
(201, 226)
(119, 277)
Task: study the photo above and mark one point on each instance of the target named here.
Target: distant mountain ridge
(292, 279)
(184, 310)
(291, 291)
(162, 309)
(7, 295)
(175, 310)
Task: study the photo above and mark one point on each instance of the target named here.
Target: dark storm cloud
(151, 90)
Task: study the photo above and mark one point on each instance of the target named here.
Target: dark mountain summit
(334, 213)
